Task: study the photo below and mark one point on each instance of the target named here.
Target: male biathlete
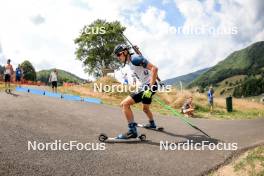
(147, 74)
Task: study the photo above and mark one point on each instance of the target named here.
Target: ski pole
(177, 114)
(136, 49)
(161, 102)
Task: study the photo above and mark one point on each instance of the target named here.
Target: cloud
(1, 55)
(43, 31)
(37, 19)
(247, 19)
(178, 54)
(51, 43)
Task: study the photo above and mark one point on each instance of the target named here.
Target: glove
(147, 94)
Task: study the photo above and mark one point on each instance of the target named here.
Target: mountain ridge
(63, 76)
(185, 79)
(247, 61)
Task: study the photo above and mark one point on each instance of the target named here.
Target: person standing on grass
(8, 75)
(54, 80)
(125, 79)
(19, 73)
(134, 77)
(210, 95)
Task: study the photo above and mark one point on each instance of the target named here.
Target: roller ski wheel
(102, 137)
(142, 137)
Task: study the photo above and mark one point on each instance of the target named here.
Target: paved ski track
(28, 117)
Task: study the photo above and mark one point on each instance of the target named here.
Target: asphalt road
(27, 117)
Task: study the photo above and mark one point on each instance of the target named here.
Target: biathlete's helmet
(119, 48)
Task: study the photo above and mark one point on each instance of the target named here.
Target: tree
(29, 72)
(237, 92)
(252, 86)
(222, 92)
(43, 76)
(95, 47)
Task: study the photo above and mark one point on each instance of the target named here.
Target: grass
(2, 86)
(253, 163)
(243, 108)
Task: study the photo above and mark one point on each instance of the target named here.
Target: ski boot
(132, 132)
(151, 125)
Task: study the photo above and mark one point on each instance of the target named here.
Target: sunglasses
(119, 54)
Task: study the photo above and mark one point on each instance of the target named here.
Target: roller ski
(131, 135)
(151, 126)
(105, 138)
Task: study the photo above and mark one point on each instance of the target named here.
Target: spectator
(134, 77)
(125, 79)
(188, 108)
(210, 96)
(54, 80)
(19, 73)
(8, 74)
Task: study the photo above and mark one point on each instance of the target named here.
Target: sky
(178, 36)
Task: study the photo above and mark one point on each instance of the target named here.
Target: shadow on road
(193, 138)
(11, 93)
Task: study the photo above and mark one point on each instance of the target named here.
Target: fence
(23, 81)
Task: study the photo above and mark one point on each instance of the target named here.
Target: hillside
(248, 61)
(64, 76)
(185, 79)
